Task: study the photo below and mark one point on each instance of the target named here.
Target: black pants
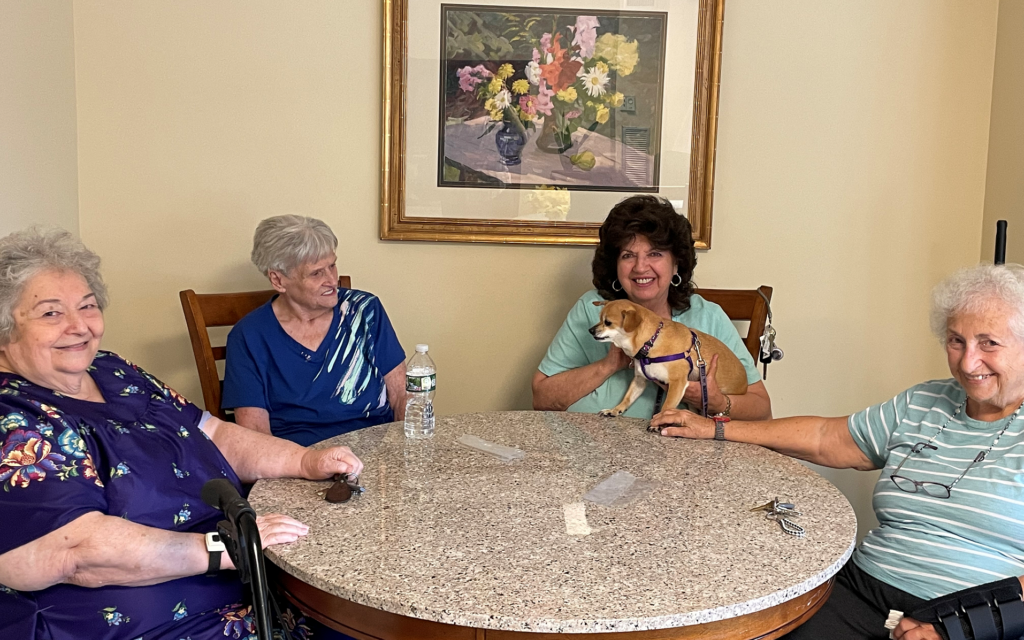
(856, 610)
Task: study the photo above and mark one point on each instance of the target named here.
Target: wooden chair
(744, 304)
(205, 310)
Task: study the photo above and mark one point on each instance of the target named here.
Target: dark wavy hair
(655, 219)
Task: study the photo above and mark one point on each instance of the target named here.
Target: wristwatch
(720, 426)
(215, 547)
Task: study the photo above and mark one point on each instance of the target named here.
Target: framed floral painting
(524, 123)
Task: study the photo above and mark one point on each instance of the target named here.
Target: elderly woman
(646, 255)
(102, 467)
(949, 499)
(315, 361)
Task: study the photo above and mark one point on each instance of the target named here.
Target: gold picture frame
(402, 217)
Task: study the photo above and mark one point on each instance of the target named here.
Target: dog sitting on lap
(629, 327)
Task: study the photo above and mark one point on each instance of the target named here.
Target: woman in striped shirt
(950, 501)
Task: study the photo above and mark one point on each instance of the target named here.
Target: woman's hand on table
(275, 528)
(910, 629)
(320, 464)
(683, 424)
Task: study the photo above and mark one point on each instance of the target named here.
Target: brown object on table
(205, 310)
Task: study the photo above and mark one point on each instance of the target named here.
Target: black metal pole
(250, 533)
(1000, 242)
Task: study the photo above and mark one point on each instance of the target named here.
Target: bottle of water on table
(420, 381)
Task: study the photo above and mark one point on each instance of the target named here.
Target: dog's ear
(630, 320)
(600, 303)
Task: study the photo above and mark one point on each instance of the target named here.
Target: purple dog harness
(642, 357)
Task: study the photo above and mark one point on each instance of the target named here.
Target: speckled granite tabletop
(448, 534)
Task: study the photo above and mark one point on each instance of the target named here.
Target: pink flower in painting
(586, 35)
(544, 98)
(545, 48)
(575, 113)
(469, 77)
(528, 104)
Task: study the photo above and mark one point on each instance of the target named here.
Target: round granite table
(448, 542)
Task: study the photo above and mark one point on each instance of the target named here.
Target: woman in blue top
(101, 468)
(646, 255)
(315, 361)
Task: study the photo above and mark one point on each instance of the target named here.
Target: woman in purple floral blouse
(101, 469)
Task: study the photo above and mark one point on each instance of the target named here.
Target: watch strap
(214, 547)
(720, 427)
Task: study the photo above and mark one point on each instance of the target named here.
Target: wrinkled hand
(617, 359)
(715, 396)
(685, 424)
(910, 629)
(275, 528)
(320, 464)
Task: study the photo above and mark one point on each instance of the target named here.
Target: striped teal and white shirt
(932, 546)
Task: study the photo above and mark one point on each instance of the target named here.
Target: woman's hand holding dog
(683, 424)
(716, 399)
(616, 360)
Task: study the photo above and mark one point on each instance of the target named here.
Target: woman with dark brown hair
(645, 255)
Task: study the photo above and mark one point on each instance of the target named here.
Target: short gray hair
(27, 253)
(970, 289)
(282, 243)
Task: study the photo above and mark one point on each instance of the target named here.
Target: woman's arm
(558, 392)
(824, 441)
(253, 418)
(97, 550)
(395, 383)
(256, 455)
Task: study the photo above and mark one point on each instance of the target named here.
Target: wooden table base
(366, 623)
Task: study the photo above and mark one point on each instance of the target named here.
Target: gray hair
(27, 253)
(972, 288)
(282, 243)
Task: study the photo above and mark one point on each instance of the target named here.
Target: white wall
(1004, 190)
(38, 146)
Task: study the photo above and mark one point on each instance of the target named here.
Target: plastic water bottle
(420, 381)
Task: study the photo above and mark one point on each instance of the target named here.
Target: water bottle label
(420, 383)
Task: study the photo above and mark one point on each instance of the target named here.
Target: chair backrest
(743, 304)
(205, 310)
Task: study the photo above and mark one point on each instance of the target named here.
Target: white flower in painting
(503, 99)
(533, 72)
(595, 81)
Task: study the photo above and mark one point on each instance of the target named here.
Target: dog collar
(646, 348)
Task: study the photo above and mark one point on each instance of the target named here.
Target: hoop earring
(616, 285)
(676, 283)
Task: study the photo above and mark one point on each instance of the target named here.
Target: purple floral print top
(140, 456)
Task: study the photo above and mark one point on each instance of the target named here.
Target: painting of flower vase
(537, 98)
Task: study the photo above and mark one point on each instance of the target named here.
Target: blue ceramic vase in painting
(510, 144)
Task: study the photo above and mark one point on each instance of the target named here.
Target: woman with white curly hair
(950, 499)
(105, 534)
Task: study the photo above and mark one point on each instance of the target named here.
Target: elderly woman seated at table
(949, 498)
(315, 361)
(102, 467)
(645, 255)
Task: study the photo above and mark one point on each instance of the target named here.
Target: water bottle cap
(421, 348)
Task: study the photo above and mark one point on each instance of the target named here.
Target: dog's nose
(593, 330)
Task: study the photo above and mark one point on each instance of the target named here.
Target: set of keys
(769, 352)
(781, 512)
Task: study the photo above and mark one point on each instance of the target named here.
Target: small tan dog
(629, 326)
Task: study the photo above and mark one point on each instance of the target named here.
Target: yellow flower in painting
(525, 116)
(616, 99)
(621, 55)
(505, 71)
(497, 115)
(520, 87)
(602, 67)
(495, 85)
(602, 114)
(489, 105)
(567, 95)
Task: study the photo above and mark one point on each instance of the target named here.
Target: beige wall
(851, 177)
(38, 146)
(1004, 190)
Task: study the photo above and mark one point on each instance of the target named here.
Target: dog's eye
(607, 323)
